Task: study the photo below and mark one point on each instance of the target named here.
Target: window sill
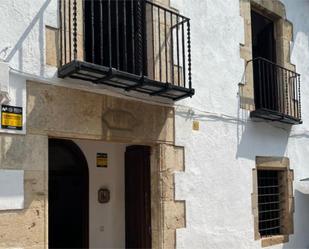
(274, 240)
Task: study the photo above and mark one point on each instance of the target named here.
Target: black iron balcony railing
(276, 92)
(130, 44)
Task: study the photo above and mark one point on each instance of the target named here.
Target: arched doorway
(68, 196)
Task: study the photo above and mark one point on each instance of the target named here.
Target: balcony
(135, 45)
(276, 92)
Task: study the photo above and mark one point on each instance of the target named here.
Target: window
(263, 37)
(276, 89)
(272, 200)
(269, 202)
(271, 86)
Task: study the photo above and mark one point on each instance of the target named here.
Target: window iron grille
(269, 203)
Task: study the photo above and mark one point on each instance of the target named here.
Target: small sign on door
(102, 160)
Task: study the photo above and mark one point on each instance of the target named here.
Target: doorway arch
(68, 195)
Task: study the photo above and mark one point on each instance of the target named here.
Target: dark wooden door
(137, 197)
(67, 196)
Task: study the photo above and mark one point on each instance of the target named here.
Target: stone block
(22, 228)
(274, 7)
(173, 158)
(23, 152)
(272, 162)
(174, 214)
(35, 189)
(63, 111)
(168, 186)
(254, 203)
(244, 6)
(169, 239)
(139, 122)
(52, 46)
(246, 52)
(274, 240)
(60, 111)
(156, 238)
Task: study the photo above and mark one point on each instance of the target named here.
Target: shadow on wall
(39, 17)
(301, 218)
(261, 138)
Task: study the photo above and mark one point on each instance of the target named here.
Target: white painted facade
(217, 183)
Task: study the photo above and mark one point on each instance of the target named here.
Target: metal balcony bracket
(108, 76)
(167, 88)
(140, 83)
(275, 116)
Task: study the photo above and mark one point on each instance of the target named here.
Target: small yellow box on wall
(196, 125)
(102, 160)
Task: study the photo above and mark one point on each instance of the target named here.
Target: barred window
(269, 202)
(272, 200)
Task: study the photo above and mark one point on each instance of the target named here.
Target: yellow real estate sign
(11, 117)
(102, 160)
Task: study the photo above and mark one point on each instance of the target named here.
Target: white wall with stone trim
(217, 182)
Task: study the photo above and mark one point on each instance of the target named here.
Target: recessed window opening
(263, 37)
(114, 34)
(269, 203)
(267, 88)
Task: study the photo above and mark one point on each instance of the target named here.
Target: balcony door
(114, 33)
(263, 37)
(265, 72)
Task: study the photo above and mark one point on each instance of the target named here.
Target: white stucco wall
(106, 221)
(217, 183)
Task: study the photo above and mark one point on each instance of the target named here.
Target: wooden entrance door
(67, 196)
(137, 197)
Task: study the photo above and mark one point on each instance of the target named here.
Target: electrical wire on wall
(185, 111)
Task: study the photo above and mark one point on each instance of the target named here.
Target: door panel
(68, 196)
(137, 197)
